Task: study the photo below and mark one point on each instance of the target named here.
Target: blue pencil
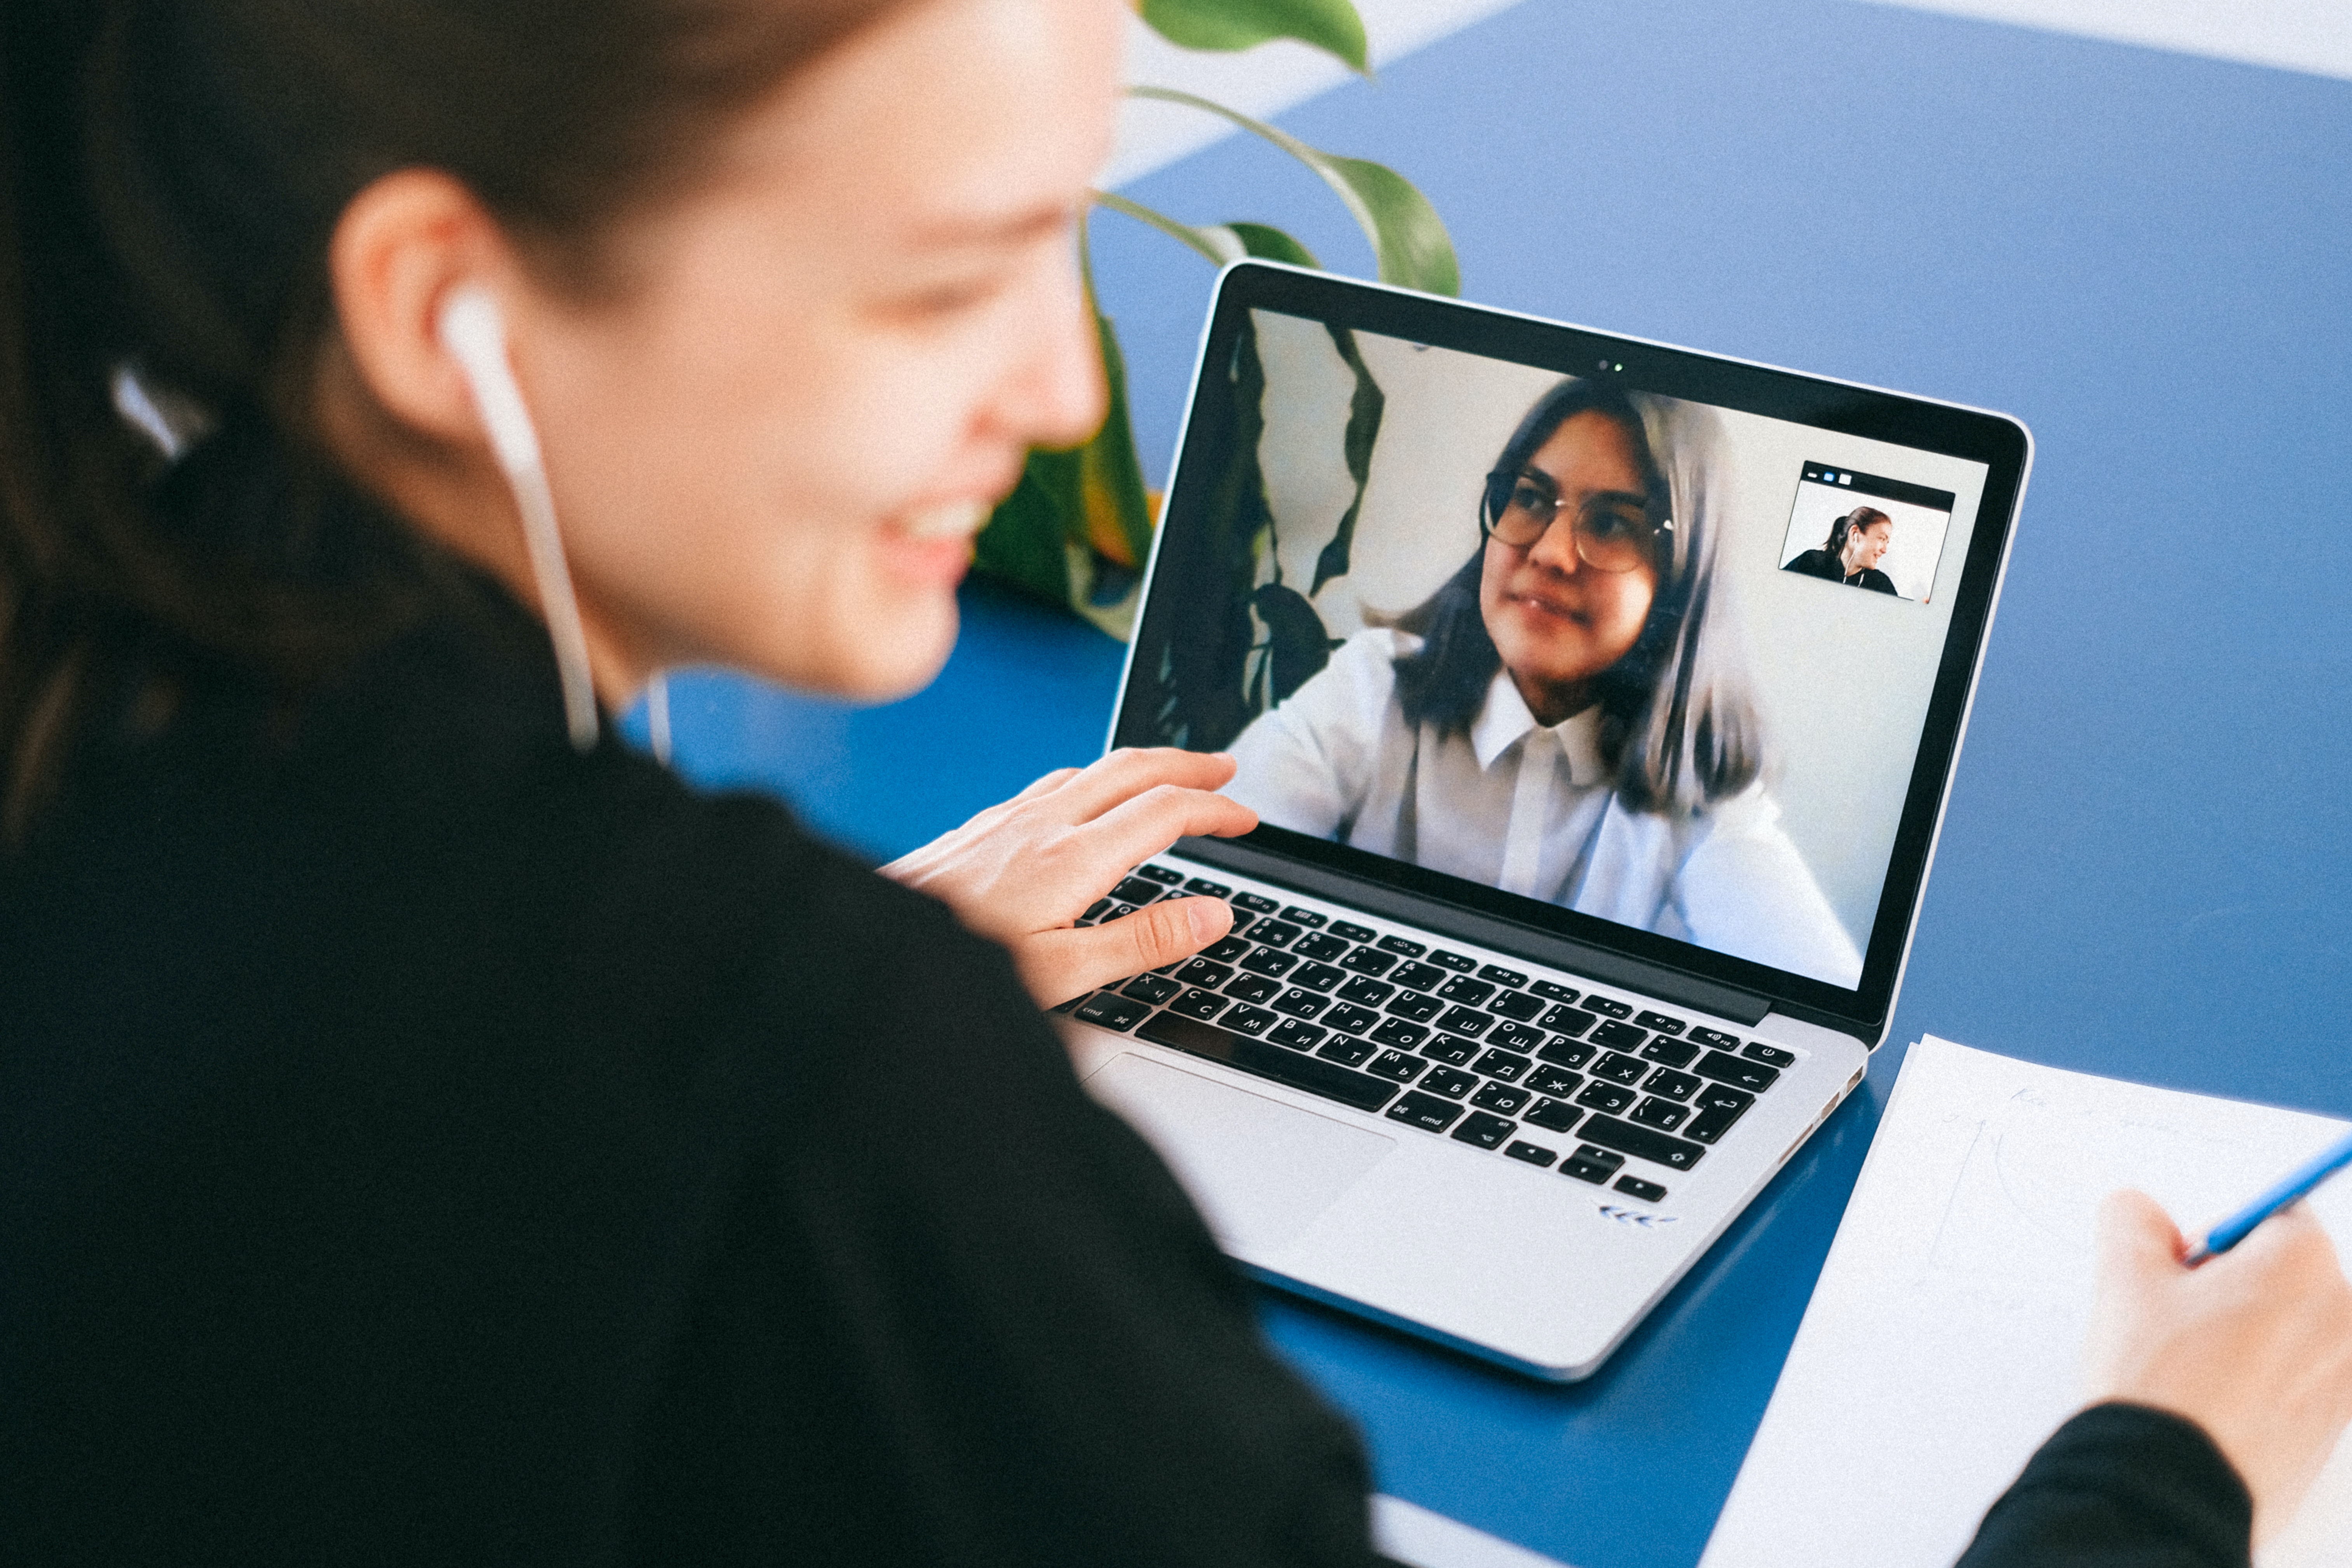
(2294, 1185)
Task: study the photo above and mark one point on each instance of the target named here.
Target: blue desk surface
(2146, 863)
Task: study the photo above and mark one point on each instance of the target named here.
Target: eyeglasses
(1611, 536)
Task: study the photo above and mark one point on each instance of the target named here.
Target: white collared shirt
(1531, 808)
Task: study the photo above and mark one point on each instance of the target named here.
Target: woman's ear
(404, 244)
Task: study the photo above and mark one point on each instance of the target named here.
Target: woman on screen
(1858, 542)
(1559, 721)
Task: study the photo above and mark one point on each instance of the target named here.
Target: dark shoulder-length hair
(1678, 726)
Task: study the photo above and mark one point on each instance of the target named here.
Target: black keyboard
(1537, 1069)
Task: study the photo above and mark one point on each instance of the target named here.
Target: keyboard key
(1424, 1110)
(1266, 961)
(1566, 1052)
(1450, 1082)
(1452, 1049)
(1327, 1080)
(1660, 1022)
(1249, 1020)
(1619, 1069)
(1368, 961)
(1569, 1020)
(1112, 1012)
(1554, 1080)
(1225, 949)
(1484, 1131)
(1406, 946)
(1648, 1192)
(1161, 875)
(1275, 933)
(1453, 961)
(1201, 972)
(1351, 1020)
(1136, 891)
(1300, 1003)
(1502, 977)
(1298, 1035)
(1724, 1067)
(1370, 993)
(1094, 912)
(1619, 1037)
(1666, 1049)
(1503, 1065)
(1516, 1037)
(1116, 912)
(1306, 918)
(1398, 1066)
(1533, 1153)
(1401, 1033)
(1418, 1005)
(1214, 890)
(1251, 987)
(1241, 926)
(1719, 1108)
(1717, 1038)
(1153, 988)
(1497, 1097)
(1641, 1142)
(1672, 1084)
(1770, 1055)
(1198, 1005)
(1322, 946)
(1608, 1096)
(1552, 991)
(1418, 976)
(1553, 1117)
(1517, 1005)
(1348, 1048)
(1608, 1004)
(1256, 903)
(1466, 1021)
(1662, 1114)
(1466, 991)
(1353, 931)
(1590, 1164)
(1318, 976)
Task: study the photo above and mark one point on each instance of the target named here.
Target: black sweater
(421, 1143)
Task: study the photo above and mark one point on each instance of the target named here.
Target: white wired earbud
(471, 330)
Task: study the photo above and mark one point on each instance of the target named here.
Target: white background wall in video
(1911, 557)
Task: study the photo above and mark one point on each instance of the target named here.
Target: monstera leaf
(1296, 644)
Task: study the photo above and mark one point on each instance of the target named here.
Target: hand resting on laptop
(1021, 872)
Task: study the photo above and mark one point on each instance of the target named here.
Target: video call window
(1864, 530)
(1377, 613)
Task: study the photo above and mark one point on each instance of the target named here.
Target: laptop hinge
(1486, 930)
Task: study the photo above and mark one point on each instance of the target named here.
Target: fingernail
(1208, 917)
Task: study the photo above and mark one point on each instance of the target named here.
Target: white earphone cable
(471, 330)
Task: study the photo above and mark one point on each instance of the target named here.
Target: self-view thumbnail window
(1867, 531)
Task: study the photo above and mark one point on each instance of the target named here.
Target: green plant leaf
(1331, 26)
(1297, 644)
(1022, 544)
(1365, 407)
(1270, 244)
(1409, 239)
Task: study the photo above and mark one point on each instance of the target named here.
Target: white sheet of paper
(1943, 1340)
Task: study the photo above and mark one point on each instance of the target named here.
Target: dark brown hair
(170, 172)
(1862, 517)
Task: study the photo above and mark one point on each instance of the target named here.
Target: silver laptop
(1598, 700)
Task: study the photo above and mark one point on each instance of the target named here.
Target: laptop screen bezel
(2002, 445)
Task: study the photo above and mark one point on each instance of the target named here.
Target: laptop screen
(1632, 644)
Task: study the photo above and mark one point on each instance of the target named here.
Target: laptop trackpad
(1262, 1171)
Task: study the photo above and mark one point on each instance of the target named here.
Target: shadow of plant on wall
(1078, 528)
